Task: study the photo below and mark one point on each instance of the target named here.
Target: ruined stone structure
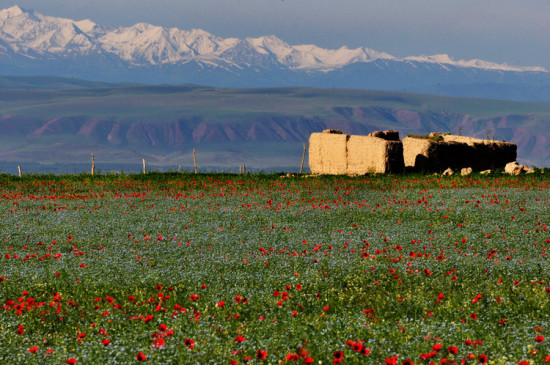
(334, 153)
(438, 152)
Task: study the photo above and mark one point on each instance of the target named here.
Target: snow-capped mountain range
(32, 44)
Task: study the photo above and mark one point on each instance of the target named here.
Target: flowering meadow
(233, 269)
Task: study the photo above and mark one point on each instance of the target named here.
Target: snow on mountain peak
(270, 45)
(475, 63)
(30, 33)
(86, 25)
(11, 12)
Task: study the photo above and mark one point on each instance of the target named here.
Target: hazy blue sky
(513, 31)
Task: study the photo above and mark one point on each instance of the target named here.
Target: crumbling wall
(387, 135)
(415, 153)
(331, 153)
(328, 153)
(486, 154)
(456, 152)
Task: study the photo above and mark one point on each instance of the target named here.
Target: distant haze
(504, 31)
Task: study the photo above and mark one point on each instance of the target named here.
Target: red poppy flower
(357, 346)
(158, 343)
(106, 342)
(365, 351)
(33, 349)
(482, 359)
(141, 356)
(539, 339)
(292, 357)
(239, 339)
(71, 361)
(452, 350)
(189, 343)
(261, 354)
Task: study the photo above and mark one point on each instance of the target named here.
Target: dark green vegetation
(197, 268)
(66, 120)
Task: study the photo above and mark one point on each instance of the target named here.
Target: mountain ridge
(36, 44)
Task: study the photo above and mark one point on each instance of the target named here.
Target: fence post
(144, 167)
(93, 164)
(303, 158)
(19, 169)
(244, 169)
(195, 160)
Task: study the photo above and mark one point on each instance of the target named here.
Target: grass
(368, 268)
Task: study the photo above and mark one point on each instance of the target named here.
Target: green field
(226, 268)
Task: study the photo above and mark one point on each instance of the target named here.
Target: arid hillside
(264, 128)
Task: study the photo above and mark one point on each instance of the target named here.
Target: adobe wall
(456, 152)
(332, 153)
(486, 154)
(328, 153)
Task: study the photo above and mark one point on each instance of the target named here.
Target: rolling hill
(60, 121)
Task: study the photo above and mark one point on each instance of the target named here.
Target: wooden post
(144, 167)
(240, 169)
(179, 168)
(93, 164)
(19, 169)
(303, 158)
(195, 160)
(244, 169)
